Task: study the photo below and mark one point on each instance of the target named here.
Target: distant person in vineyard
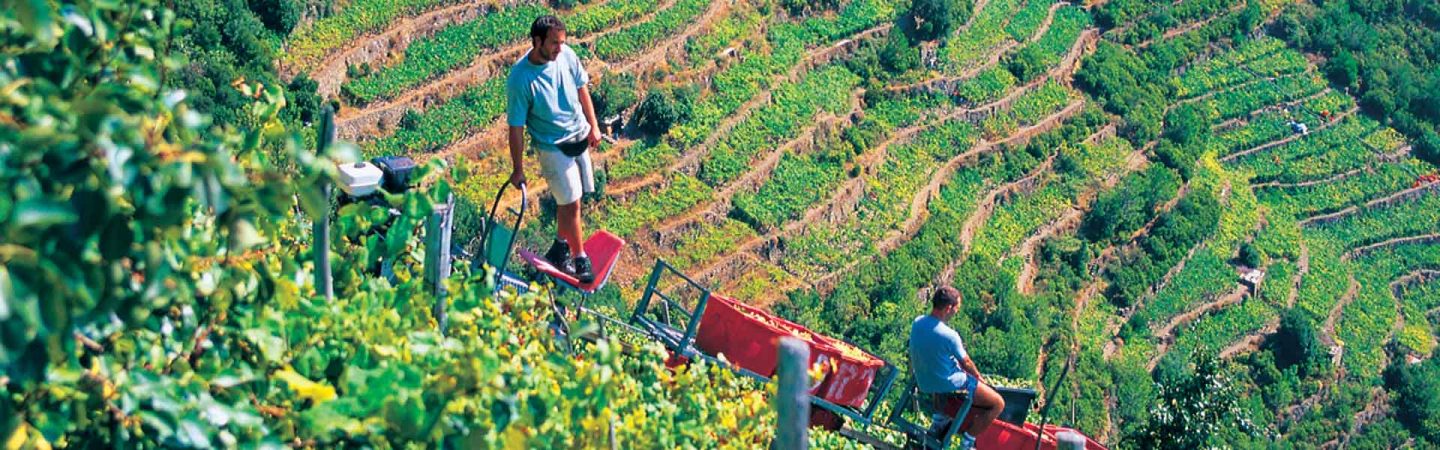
(547, 95)
(944, 370)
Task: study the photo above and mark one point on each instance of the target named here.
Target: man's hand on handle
(517, 177)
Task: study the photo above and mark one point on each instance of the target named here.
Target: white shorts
(568, 177)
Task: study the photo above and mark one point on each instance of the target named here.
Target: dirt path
(1166, 335)
(919, 204)
(377, 49)
(1394, 242)
(690, 162)
(1327, 330)
(1269, 108)
(1070, 220)
(949, 84)
(1413, 278)
(1291, 138)
(835, 207)
(368, 121)
(1303, 269)
(1379, 202)
(1114, 329)
(721, 202)
(1222, 89)
(1025, 280)
(1192, 26)
(1326, 180)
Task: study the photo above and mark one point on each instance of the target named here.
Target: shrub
(664, 107)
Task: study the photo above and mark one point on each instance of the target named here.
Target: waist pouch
(573, 149)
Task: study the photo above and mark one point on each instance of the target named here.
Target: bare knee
(987, 398)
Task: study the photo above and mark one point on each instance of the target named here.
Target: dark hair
(542, 26)
(945, 296)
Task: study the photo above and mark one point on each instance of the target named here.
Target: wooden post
(792, 399)
(1070, 440)
(437, 254)
(324, 280)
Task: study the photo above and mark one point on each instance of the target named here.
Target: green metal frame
(495, 231)
(911, 399)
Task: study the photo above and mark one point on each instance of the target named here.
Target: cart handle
(494, 207)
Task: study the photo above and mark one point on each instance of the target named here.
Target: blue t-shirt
(935, 355)
(545, 99)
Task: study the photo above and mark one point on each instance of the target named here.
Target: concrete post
(324, 280)
(792, 399)
(1070, 440)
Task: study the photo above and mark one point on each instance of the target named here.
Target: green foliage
(474, 108)
(1297, 344)
(1032, 60)
(309, 44)
(629, 41)
(456, 45)
(156, 293)
(615, 93)
(792, 106)
(1188, 125)
(799, 8)
(279, 16)
(1126, 87)
(1119, 212)
(899, 55)
(1191, 221)
(1028, 20)
(1417, 397)
(970, 47)
(447, 49)
(664, 107)
(1371, 45)
(932, 19)
(223, 42)
(1194, 408)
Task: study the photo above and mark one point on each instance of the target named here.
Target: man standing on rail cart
(944, 371)
(547, 94)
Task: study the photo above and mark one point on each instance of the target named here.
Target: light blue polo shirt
(545, 99)
(935, 355)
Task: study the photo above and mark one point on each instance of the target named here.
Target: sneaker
(583, 272)
(559, 254)
(967, 442)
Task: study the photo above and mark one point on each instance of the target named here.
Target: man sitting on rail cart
(944, 371)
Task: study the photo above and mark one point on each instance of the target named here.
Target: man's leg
(569, 227)
(987, 406)
(566, 185)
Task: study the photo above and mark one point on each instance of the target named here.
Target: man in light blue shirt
(546, 94)
(944, 370)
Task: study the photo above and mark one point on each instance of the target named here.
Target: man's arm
(957, 350)
(589, 108)
(969, 366)
(517, 150)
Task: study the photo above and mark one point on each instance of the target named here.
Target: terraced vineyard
(1096, 179)
(806, 181)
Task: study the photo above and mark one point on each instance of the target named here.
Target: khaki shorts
(568, 177)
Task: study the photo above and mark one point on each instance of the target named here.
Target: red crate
(748, 337)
